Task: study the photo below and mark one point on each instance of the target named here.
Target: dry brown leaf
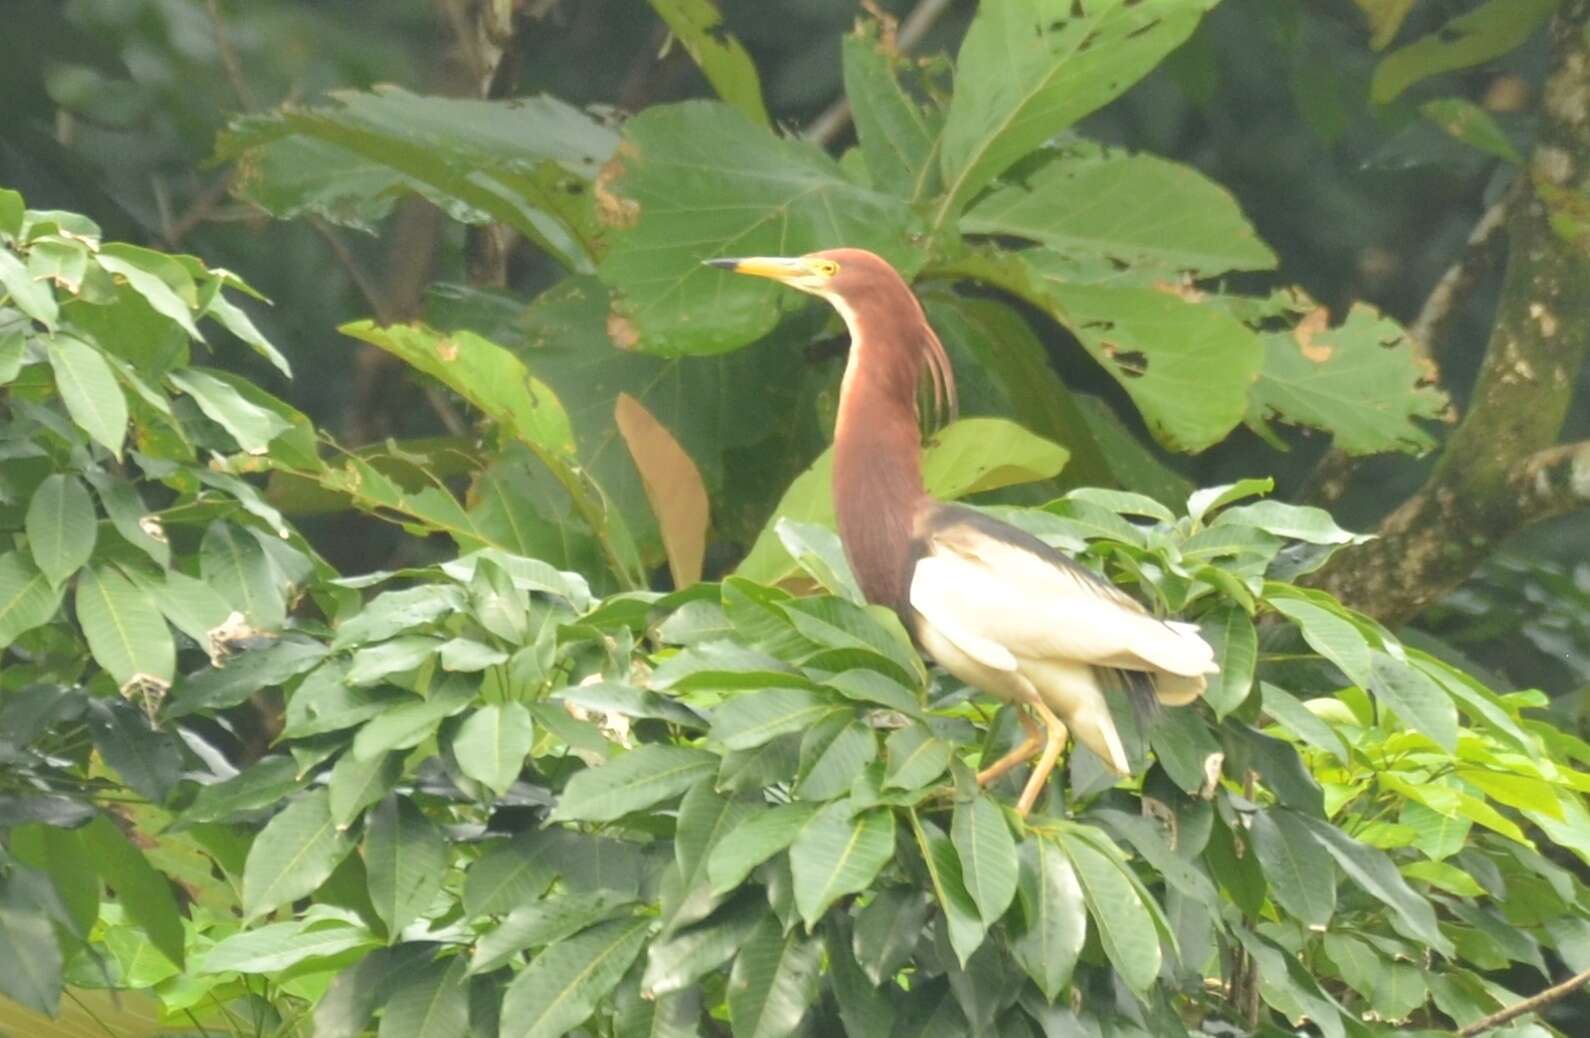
(673, 486)
(1312, 324)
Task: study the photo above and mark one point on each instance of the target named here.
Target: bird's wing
(981, 590)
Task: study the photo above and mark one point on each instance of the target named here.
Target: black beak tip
(722, 264)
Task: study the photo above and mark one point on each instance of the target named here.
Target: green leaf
(295, 853)
(434, 1004)
(1360, 381)
(915, 757)
(1301, 875)
(887, 932)
(61, 526)
(252, 426)
(747, 721)
(1375, 873)
(1177, 218)
(987, 853)
(411, 722)
(753, 841)
(233, 563)
(26, 597)
(394, 612)
(32, 296)
(483, 373)
(405, 857)
(524, 162)
(508, 874)
(1472, 38)
(1231, 634)
(125, 632)
(838, 852)
(833, 754)
(679, 959)
(130, 516)
(1422, 704)
(699, 180)
(971, 456)
(244, 673)
(1028, 69)
(30, 958)
(237, 321)
(12, 211)
(541, 922)
(1212, 499)
(467, 656)
(1468, 122)
(699, 26)
(1294, 522)
(1297, 718)
(773, 982)
(262, 784)
(492, 743)
(165, 284)
(279, 946)
(1055, 921)
(147, 760)
(1331, 637)
(704, 819)
(143, 893)
(639, 779)
(1187, 367)
(565, 983)
(356, 784)
(965, 926)
(1125, 927)
(89, 390)
(897, 140)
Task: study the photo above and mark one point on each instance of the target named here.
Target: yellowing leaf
(673, 486)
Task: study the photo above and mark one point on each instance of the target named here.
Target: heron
(992, 604)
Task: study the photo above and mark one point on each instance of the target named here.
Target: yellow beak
(779, 268)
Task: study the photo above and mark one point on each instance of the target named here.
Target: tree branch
(1540, 339)
(1555, 993)
(1553, 482)
(826, 127)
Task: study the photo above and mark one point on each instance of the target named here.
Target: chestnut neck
(877, 477)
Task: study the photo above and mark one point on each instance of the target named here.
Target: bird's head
(837, 275)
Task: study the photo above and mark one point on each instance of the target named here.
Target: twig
(1555, 993)
(233, 67)
(826, 127)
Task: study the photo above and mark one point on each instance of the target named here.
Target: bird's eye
(827, 268)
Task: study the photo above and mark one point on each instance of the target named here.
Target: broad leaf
(492, 743)
(1418, 700)
(1055, 917)
(698, 180)
(89, 389)
(753, 841)
(1473, 38)
(699, 26)
(252, 426)
(434, 1004)
(773, 982)
(987, 853)
(1301, 874)
(1330, 636)
(125, 632)
(1236, 643)
(898, 140)
(509, 874)
(565, 983)
(280, 946)
(61, 526)
(678, 960)
(673, 487)
(541, 922)
(143, 893)
(356, 784)
(1125, 926)
(1375, 873)
(915, 757)
(26, 597)
(295, 853)
(30, 958)
(634, 781)
(405, 857)
(887, 931)
(1360, 381)
(1030, 68)
(749, 720)
(838, 852)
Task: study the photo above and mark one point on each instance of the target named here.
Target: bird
(992, 604)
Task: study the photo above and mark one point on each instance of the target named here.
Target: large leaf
(898, 140)
(1473, 38)
(636, 780)
(773, 982)
(753, 841)
(1187, 367)
(89, 389)
(542, 922)
(252, 426)
(356, 784)
(563, 984)
(30, 959)
(509, 874)
(1133, 209)
(1378, 876)
(405, 857)
(987, 853)
(1231, 634)
(524, 162)
(838, 852)
(1030, 68)
(751, 719)
(279, 946)
(673, 487)
(971, 456)
(1418, 700)
(295, 853)
(61, 526)
(434, 1004)
(1301, 874)
(1360, 381)
(143, 892)
(698, 180)
(1126, 929)
(492, 743)
(1055, 917)
(699, 26)
(234, 563)
(26, 597)
(125, 631)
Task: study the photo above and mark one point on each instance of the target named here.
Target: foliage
(511, 790)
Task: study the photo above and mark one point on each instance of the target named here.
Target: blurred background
(112, 108)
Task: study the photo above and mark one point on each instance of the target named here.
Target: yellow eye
(827, 268)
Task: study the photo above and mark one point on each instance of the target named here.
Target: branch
(826, 127)
(1500, 470)
(1555, 993)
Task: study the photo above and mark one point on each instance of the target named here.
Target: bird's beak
(778, 268)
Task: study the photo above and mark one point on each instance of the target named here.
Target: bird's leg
(1051, 753)
(1024, 750)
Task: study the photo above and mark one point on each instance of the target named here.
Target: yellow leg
(1051, 753)
(1024, 751)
